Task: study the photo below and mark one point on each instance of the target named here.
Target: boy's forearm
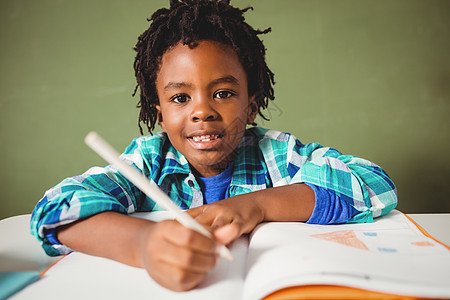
(108, 234)
(293, 202)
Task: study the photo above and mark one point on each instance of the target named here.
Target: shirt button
(191, 183)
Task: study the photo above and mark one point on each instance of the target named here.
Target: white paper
(390, 255)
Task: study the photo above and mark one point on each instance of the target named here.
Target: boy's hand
(229, 218)
(234, 216)
(176, 257)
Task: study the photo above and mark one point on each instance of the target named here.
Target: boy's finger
(194, 212)
(202, 215)
(176, 278)
(188, 259)
(228, 233)
(206, 218)
(221, 220)
(183, 237)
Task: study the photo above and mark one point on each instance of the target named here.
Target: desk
(437, 225)
(19, 251)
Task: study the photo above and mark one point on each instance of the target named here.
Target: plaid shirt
(263, 159)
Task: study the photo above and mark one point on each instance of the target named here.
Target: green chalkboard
(370, 78)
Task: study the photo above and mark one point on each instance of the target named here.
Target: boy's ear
(252, 111)
(160, 118)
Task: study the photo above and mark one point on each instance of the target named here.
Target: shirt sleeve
(98, 190)
(362, 184)
(329, 208)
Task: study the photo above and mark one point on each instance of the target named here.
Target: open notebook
(279, 261)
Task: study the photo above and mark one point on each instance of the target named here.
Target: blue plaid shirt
(263, 159)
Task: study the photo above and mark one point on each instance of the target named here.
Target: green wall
(370, 78)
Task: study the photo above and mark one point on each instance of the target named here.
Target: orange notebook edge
(52, 265)
(332, 292)
(342, 292)
(424, 232)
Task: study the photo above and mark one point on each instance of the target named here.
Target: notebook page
(390, 255)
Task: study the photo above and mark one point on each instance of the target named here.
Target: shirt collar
(174, 162)
(249, 172)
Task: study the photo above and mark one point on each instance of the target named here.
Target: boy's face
(204, 104)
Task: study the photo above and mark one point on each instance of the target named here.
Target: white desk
(437, 225)
(19, 251)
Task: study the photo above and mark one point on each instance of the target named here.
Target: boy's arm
(360, 183)
(79, 197)
(97, 190)
(174, 256)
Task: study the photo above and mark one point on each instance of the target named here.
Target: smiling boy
(204, 105)
(202, 75)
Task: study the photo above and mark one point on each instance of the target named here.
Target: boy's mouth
(206, 138)
(206, 141)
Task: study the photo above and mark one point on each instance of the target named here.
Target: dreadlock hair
(189, 21)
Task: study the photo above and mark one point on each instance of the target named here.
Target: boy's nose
(203, 111)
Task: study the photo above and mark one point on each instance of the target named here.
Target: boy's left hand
(229, 218)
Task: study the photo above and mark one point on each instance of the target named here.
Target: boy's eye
(180, 98)
(223, 94)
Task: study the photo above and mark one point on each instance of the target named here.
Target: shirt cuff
(51, 236)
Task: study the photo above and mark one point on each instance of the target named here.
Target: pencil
(108, 153)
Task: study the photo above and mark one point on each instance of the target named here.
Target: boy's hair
(194, 20)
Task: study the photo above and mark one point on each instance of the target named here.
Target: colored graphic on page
(369, 241)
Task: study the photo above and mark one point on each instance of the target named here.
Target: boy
(202, 76)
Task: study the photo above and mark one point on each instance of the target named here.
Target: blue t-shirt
(215, 188)
(329, 208)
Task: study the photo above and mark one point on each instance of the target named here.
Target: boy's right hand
(176, 257)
